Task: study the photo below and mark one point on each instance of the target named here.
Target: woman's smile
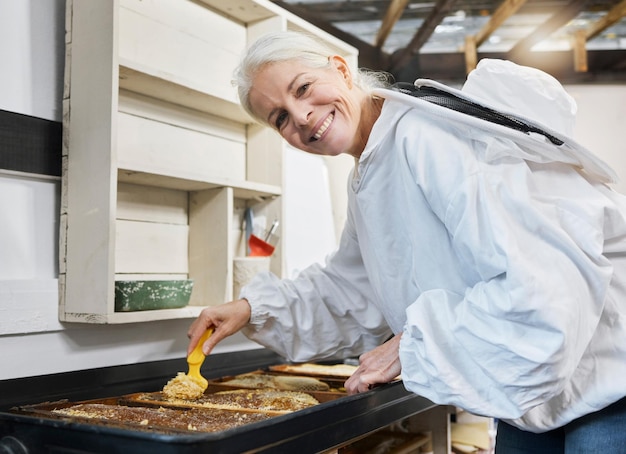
(324, 127)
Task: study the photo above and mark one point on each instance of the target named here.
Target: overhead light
(421, 5)
(446, 28)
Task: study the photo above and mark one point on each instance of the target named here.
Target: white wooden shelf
(135, 317)
(243, 189)
(159, 159)
(147, 82)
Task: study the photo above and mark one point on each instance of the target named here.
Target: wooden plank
(210, 257)
(242, 189)
(62, 246)
(90, 172)
(543, 31)
(504, 11)
(258, 29)
(185, 17)
(134, 317)
(392, 15)
(183, 42)
(265, 156)
(614, 15)
(148, 247)
(149, 82)
(579, 44)
(243, 11)
(471, 57)
(144, 203)
(441, 9)
(174, 114)
(165, 149)
(151, 277)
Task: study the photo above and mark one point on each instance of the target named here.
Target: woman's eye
(303, 88)
(280, 119)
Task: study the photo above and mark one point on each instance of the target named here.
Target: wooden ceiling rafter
(472, 43)
(555, 22)
(439, 11)
(393, 15)
(614, 15)
(504, 11)
(580, 38)
(335, 17)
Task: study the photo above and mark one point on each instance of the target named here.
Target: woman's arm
(325, 312)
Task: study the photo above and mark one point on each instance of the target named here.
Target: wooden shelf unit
(159, 159)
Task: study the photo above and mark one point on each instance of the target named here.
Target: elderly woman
(491, 260)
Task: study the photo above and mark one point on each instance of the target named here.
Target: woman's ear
(342, 66)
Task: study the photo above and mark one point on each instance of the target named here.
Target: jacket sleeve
(515, 336)
(323, 313)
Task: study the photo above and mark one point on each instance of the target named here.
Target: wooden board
(165, 149)
(148, 247)
(181, 47)
(316, 370)
(210, 257)
(144, 203)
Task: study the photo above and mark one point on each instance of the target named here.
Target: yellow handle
(196, 356)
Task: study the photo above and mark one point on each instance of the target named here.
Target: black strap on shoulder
(453, 102)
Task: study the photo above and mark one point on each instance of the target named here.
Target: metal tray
(321, 427)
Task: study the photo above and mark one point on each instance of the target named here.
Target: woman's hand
(225, 319)
(380, 365)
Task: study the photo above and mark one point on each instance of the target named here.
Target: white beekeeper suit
(500, 256)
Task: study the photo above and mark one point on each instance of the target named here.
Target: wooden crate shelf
(159, 159)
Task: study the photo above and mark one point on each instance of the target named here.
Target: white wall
(32, 340)
(601, 124)
(316, 201)
(32, 53)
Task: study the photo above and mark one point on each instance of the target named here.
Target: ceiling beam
(504, 11)
(472, 43)
(579, 46)
(389, 13)
(606, 66)
(555, 22)
(581, 36)
(610, 18)
(393, 14)
(439, 11)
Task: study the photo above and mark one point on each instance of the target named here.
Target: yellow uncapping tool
(196, 358)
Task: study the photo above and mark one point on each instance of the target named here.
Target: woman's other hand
(380, 365)
(225, 319)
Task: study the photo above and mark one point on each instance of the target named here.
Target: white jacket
(499, 256)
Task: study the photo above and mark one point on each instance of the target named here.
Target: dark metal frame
(325, 426)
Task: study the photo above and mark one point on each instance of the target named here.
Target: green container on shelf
(133, 296)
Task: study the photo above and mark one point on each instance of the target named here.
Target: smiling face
(317, 110)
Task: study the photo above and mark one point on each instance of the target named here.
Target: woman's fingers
(380, 365)
(225, 319)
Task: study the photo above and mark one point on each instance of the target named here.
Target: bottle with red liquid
(264, 247)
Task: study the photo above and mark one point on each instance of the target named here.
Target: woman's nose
(302, 114)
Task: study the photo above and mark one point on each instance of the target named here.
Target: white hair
(288, 45)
